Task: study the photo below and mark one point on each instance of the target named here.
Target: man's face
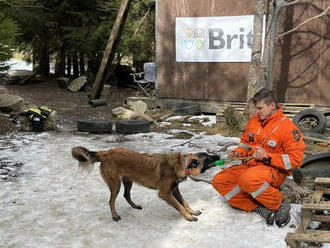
(264, 110)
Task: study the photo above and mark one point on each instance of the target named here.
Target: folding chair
(147, 84)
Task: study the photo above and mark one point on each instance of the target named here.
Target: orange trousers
(247, 187)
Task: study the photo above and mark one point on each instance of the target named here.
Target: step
(310, 236)
(316, 206)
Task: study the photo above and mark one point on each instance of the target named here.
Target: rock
(295, 192)
(6, 125)
(122, 113)
(3, 90)
(138, 107)
(234, 118)
(10, 103)
(77, 84)
(18, 76)
(139, 116)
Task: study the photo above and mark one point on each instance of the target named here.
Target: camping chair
(147, 84)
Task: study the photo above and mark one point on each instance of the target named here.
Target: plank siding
(301, 71)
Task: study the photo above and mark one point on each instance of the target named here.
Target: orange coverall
(251, 183)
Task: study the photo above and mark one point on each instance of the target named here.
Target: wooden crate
(311, 212)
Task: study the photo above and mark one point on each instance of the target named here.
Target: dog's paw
(136, 206)
(116, 218)
(193, 218)
(196, 212)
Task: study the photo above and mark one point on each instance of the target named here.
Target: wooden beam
(111, 47)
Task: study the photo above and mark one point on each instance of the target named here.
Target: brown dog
(156, 171)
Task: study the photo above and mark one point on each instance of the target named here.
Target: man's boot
(282, 215)
(267, 214)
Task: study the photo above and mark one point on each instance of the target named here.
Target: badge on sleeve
(296, 135)
(272, 143)
(251, 136)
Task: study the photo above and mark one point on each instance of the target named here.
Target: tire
(310, 120)
(132, 126)
(94, 126)
(327, 118)
(188, 110)
(312, 167)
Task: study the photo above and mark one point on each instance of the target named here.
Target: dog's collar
(186, 163)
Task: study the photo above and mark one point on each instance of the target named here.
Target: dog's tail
(85, 157)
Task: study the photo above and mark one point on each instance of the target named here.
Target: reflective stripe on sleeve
(286, 161)
(245, 146)
(232, 193)
(260, 190)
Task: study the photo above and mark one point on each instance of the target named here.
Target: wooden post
(111, 47)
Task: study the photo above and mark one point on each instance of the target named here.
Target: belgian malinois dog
(162, 172)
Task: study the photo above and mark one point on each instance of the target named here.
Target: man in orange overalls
(273, 146)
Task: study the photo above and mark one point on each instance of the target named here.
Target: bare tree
(262, 68)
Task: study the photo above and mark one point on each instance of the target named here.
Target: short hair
(265, 95)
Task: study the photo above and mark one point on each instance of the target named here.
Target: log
(111, 47)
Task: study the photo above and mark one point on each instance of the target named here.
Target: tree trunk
(82, 63)
(41, 57)
(253, 81)
(110, 49)
(267, 65)
(69, 63)
(283, 83)
(75, 64)
(60, 62)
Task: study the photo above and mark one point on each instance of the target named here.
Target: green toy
(219, 162)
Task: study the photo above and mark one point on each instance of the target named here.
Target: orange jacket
(279, 137)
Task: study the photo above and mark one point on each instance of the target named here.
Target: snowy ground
(49, 204)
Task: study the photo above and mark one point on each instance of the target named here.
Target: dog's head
(200, 162)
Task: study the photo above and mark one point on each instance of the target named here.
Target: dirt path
(70, 106)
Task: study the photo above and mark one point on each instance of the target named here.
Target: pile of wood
(316, 210)
(289, 109)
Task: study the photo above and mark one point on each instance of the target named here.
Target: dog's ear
(179, 165)
(208, 161)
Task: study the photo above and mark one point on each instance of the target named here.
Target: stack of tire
(316, 165)
(106, 126)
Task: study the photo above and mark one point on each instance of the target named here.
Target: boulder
(122, 113)
(10, 103)
(234, 118)
(18, 76)
(140, 116)
(138, 107)
(77, 84)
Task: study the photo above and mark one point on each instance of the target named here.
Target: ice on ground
(51, 205)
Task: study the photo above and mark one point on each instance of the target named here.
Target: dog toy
(219, 162)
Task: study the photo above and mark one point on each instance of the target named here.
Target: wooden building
(302, 61)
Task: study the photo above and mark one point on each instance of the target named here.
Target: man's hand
(259, 154)
(233, 153)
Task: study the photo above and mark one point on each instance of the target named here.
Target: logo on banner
(195, 38)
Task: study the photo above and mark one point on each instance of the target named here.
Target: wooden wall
(301, 65)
